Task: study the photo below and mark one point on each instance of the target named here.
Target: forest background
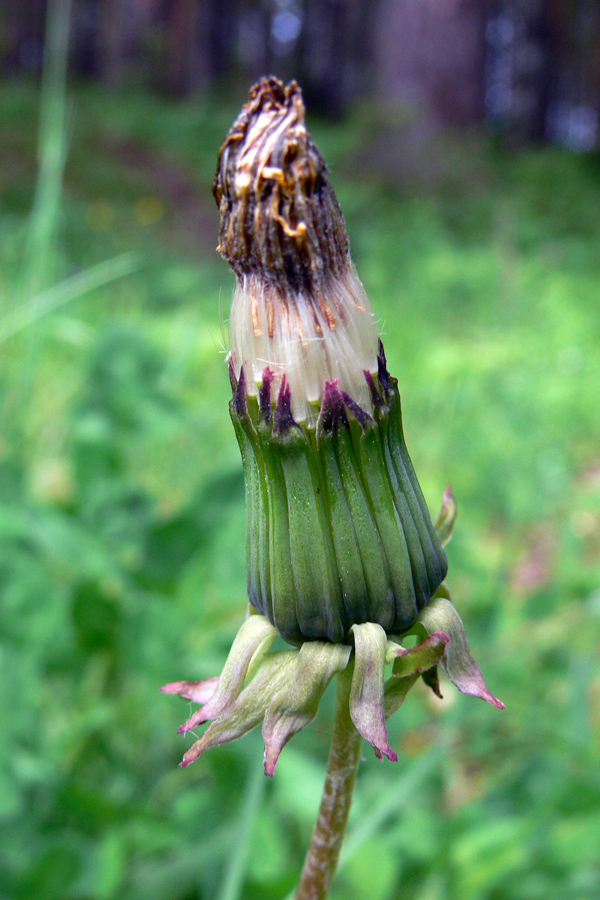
(462, 139)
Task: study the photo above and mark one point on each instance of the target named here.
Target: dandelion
(343, 559)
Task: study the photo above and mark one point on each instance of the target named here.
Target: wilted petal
(420, 658)
(442, 591)
(432, 680)
(408, 665)
(457, 660)
(395, 693)
(392, 649)
(444, 524)
(248, 710)
(296, 705)
(367, 690)
(197, 691)
(251, 642)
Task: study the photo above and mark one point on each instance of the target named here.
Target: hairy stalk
(342, 766)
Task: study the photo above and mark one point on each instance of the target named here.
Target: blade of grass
(70, 289)
(236, 867)
(52, 152)
(52, 146)
(390, 802)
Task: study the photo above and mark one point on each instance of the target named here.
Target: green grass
(122, 523)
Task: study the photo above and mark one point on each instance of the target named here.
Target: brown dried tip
(279, 215)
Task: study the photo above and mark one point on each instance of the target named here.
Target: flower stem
(342, 766)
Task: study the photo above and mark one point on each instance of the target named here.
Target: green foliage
(122, 525)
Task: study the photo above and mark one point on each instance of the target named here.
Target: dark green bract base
(337, 532)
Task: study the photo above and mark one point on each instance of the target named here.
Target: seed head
(299, 307)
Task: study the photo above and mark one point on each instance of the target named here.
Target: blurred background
(462, 138)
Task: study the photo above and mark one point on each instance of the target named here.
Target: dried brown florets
(299, 307)
(279, 214)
